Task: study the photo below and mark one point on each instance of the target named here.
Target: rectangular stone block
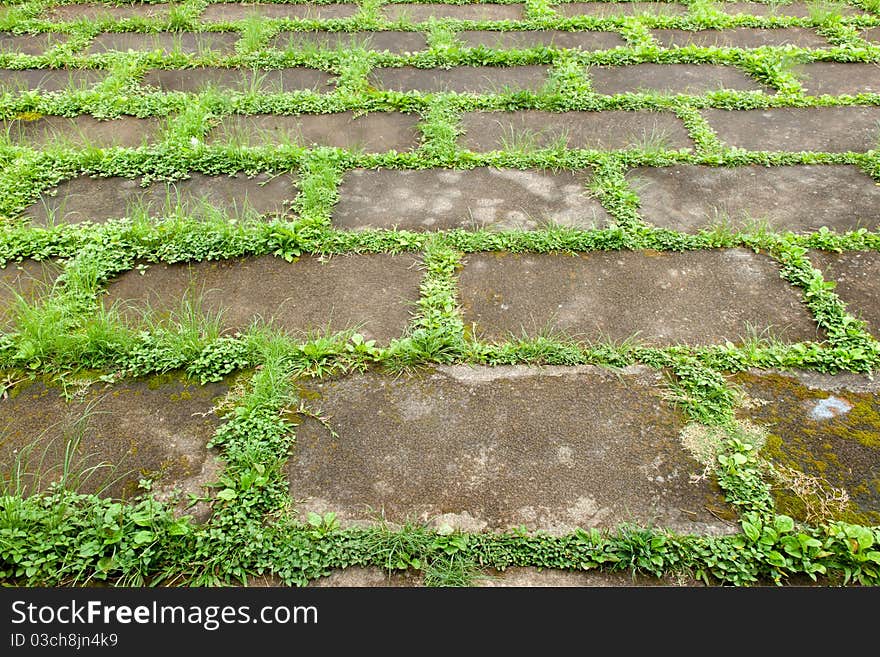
(693, 79)
(394, 42)
(197, 80)
(823, 442)
(79, 131)
(374, 294)
(444, 199)
(496, 448)
(228, 12)
(821, 129)
(49, 80)
(187, 43)
(461, 79)
(30, 44)
(741, 37)
(796, 9)
(838, 78)
(606, 130)
(659, 298)
(105, 11)
(473, 11)
(374, 132)
(587, 40)
(99, 199)
(799, 198)
(605, 9)
(114, 435)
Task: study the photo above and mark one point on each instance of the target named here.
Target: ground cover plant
(304, 99)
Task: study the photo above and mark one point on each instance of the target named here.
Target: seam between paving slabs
(298, 554)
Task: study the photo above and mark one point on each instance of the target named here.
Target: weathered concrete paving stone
(837, 78)
(857, 274)
(793, 129)
(799, 198)
(479, 448)
(532, 577)
(48, 80)
(359, 576)
(660, 298)
(153, 428)
(222, 12)
(872, 35)
(418, 13)
(394, 42)
(587, 40)
(373, 293)
(196, 80)
(461, 79)
(30, 44)
(824, 426)
(741, 37)
(99, 199)
(375, 132)
(670, 79)
(96, 11)
(368, 576)
(443, 199)
(188, 43)
(124, 132)
(620, 8)
(613, 129)
(797, 9)
(31, 280)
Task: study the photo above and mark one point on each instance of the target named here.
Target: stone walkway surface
(511, 259)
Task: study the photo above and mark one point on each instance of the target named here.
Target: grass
(70, 330)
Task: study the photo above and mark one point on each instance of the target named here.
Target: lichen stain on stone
(825, 409)
(834, 437)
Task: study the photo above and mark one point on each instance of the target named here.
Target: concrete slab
(871, 35)
(99, 199)
(443, 199)
(741, 37)
(605, 9)
(32, 280)
(534, 577)
(671, 79)
(374, 293)
(608, 130)
(79, 131)
(478, 448)
(228, 12)
(98, 11)
(857, 274)
(196, 80)
(821, 129)
(461, 79)
(800, 198)
(838, 78)
(475, 11)
(658, 298)
(188, 43)
(360, 576)
(824, 430)
(375, 132)
(151, 428)
(587, 40)
(48, 80)
(392, 41)
(797, 9)
(30, 44)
